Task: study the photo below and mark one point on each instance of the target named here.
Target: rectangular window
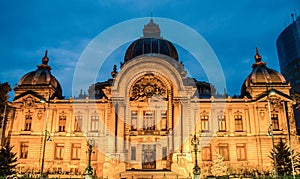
(206, 154)
(62, 123)
(75, 155)
(238, 123)
(133, 153)
(24, 150)
(222, 123)
(224, 151)
(95, 123)
(134, 116)
(78, 123)
(241, 152)
(204, 123)
(164, 153)
(149, 120)
(164, 120)
(59, 151)
(74, 171)
(275, 123)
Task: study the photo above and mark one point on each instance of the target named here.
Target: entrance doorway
(149, 157)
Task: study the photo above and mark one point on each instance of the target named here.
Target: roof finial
(151, 30)
(258, 62)
(151, 19)
(45, 59)
(257, 56)
(114, 72)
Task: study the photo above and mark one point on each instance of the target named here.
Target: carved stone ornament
(148, 87)
(40, 114)
(29, 102)
(275, 102)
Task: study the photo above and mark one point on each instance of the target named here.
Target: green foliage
(218, 167)
(8, 160)
(248, 171)
(4, 89)
(283, 159)
(7, 157)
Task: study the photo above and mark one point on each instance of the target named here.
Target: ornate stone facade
(142, 120)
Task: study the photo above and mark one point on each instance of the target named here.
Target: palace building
(141, 121)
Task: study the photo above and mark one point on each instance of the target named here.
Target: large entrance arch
(151, 120)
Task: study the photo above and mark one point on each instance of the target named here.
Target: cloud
(246, 60)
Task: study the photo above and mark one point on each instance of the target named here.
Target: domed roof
(261, 74)
(151, 42)
(42, 77)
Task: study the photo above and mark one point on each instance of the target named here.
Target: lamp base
(196, 176)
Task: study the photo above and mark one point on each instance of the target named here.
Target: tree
(296, 98)
(4, 90)
(283, 159)
(218, 167)
(8, 160)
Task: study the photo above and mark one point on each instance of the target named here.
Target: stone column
(121, 126)
(176, 128)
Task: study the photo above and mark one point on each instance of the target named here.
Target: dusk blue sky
(233, 28)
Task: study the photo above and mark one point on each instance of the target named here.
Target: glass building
(288, 48)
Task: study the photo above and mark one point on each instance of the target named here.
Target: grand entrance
(149, 157)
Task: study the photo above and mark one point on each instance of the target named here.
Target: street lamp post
(196, 169)
(89, 169)
(272, 133)
(289, 137)
(45, 138)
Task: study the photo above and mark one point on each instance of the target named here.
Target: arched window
(204, 117)
(78, 122)
(238, 122)
(62, 122)
(222, 122)
(94, 122)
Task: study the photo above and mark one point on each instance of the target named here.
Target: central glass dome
(151, 42)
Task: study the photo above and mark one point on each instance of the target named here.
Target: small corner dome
(42, 77)
(265, 75)
(151, 42)
(261, 74)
